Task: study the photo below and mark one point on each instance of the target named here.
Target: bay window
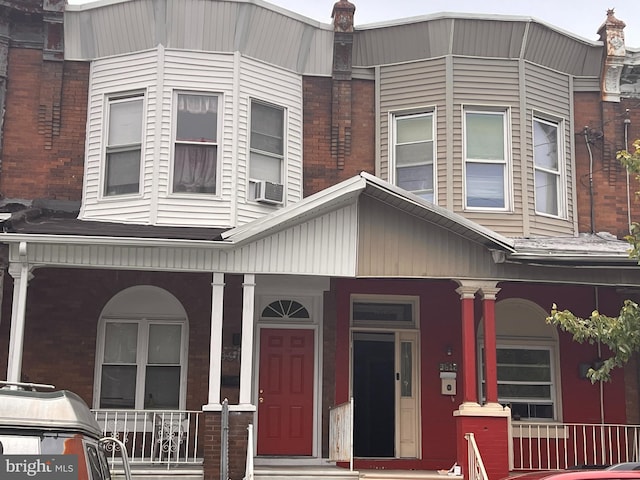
(413, 153)
(486, 159)
(547, 162)
(195, 160)
(124, 145)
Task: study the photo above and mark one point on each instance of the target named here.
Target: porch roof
(360, 227)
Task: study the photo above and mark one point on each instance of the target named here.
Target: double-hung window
(267, 143)
(547, 162)
(142, 364)
(525, 381)
(195, 160)
(486, 159)
(413, 153)
(124, 145)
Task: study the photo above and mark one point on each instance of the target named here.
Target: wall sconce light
(449, 350)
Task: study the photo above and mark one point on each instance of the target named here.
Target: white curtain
(195, 169)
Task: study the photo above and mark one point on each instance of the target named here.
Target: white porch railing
(551, 446)
(248, 469)
(154, 436)
(474, 460)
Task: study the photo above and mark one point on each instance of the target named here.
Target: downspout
(591, 212)
(627, 122)
(601, 383)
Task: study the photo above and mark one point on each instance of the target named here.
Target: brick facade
(321, 167)
(44, 130)
(602, 124)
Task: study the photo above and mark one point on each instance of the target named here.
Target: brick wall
(238, 422)
(606, 209)
(44, 129)
(321, 168)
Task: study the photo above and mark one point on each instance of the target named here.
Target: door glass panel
(406, 369)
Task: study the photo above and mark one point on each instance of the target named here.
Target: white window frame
(113, 99)
(559, 173)
(505, 162)
(393, 170)
(253, 179)
(216, 143)
(141, 357)
(523, 344)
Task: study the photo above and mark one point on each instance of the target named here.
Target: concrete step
(303, 472)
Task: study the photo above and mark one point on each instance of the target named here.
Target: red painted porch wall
(581, 398)
(440, 326)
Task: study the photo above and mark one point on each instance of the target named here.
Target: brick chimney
(342, 14)
(612, 35)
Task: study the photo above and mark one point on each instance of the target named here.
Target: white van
(38, 428)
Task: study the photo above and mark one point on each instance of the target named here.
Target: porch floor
(329, 472)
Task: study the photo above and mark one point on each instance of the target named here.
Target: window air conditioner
(269, 192)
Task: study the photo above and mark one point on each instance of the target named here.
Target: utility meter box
(448, 382)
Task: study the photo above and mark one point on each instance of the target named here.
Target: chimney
(612, 35)
(342, 14)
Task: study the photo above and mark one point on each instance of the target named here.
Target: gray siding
(395, 244)
(488, 36)
(493, 83)
(548, 94)
(266, 33)
(411, 87)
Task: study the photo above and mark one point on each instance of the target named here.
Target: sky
(582, 18)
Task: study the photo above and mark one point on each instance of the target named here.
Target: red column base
(490, 427)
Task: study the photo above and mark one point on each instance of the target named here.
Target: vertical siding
(549, 92)
(270, 84)
(479, 82)
(396, 244)
(323, 245)
(412, 87)
(115, 76)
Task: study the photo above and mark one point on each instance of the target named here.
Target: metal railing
(475, 465)
(162, 437)
(551, 446)
(248, 469)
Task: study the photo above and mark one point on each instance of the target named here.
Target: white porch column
(246, 355)
(21, 275)
(215, 349)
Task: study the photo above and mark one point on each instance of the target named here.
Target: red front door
(285, 392)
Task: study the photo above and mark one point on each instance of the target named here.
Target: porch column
(215, 349)
(21, 275)
(246, 356)
(469, 387)
(488, 294)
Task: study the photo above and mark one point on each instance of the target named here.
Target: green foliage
(621, 334)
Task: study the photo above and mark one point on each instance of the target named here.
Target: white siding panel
(201, 72)
(124, 74)
(282, 88)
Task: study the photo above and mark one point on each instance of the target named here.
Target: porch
(165, 444)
